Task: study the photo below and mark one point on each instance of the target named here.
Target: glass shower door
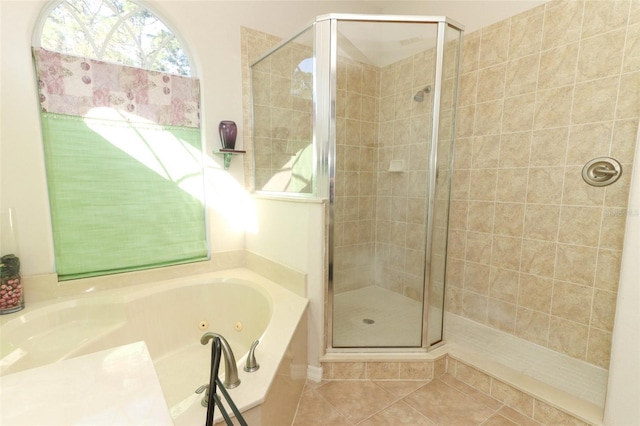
(384, 113)
(443, 162)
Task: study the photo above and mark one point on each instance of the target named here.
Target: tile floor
(442, 401)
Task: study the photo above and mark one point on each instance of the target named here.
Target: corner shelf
(228, 153)
(396, 166)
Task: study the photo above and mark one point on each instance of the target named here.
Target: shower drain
(368, 321)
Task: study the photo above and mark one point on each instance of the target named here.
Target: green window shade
(124, 196)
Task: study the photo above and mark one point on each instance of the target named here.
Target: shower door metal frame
(326, 119)
(433, 170)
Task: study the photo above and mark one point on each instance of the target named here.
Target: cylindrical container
(228, 133)
(11, 291)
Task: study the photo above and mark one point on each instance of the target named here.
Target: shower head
(419, 96)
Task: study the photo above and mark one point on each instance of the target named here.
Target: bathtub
(170, 317)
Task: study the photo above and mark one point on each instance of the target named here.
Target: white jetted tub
(171, 317)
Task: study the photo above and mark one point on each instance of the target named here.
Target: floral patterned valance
(74, 85)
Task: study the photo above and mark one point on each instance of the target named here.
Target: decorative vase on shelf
(11, 290)
(11, 293)
(228, 133)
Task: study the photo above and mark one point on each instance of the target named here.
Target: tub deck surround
(45, 287)
(115, 386)
(237, 303)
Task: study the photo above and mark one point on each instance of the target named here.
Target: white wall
(23, 184)
(623, 391)
(292, 233)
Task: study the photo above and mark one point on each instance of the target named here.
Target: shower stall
(360, 110)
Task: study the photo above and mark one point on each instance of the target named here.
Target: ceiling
(473, 14)
(381, 44)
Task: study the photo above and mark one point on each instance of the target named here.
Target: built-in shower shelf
(396, 166)
(228, 154)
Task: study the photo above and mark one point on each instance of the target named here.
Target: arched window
(120, 118)
(302, 79)
(119, 31)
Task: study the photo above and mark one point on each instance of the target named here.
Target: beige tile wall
(379, 122)
(380, 216)
(533, 250)
(282, 111)
(253, 45)
(404, 135)
(357, 105)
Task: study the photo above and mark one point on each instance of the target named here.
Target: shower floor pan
(375, 317)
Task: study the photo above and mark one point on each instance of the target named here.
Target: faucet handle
(205, 399)
(252, 365)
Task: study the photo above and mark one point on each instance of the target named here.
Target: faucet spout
(231, 379)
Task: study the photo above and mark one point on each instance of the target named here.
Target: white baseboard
(314, 373)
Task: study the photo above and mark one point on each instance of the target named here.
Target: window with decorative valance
(123, 157)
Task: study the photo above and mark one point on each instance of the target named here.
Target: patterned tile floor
(442, 401)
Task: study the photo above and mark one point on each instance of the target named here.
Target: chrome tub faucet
(231, 379)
